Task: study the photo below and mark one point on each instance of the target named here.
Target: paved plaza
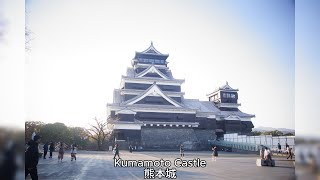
(94, 165)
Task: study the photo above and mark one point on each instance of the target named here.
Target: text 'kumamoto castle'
(149, 110)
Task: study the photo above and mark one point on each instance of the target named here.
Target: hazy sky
(307, 67)
(80, 49)
(12, 57)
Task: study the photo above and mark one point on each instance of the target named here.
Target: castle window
(233, 96)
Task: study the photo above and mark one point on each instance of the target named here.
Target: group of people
(32, 155)
(265, 152)
(288, 150)
(47, 147)
(61, 151)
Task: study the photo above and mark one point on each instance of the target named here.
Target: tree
(56, 132)
(289, 134)
(273, 133)
(98, 132)
(32, 126)
(79, 136)
(255, 133)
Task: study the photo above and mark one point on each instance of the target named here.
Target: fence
(252, 143)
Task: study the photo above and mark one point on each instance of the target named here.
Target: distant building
(149, 109)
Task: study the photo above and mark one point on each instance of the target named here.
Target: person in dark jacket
(32, 158)
(45, 150)
(51, 149)
(214, 153)
(279, 147)
(8, 166)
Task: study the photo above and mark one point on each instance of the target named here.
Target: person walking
(116, 151)
(51, 149)
(74, 152)
(290, 153)
(130, 148)
(61, 152)
(279, 147)
(214, 153)
(45, 150)
(181, 151)
(32, 158)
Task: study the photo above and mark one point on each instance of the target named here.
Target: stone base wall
(203, 136)
(171, 139)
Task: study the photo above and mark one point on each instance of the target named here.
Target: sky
(12, 55)
(307, 68)
(80, 49)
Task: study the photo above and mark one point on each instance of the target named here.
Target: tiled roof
(201, 106)
(237, 113)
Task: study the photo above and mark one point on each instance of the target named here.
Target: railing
(265, 140)
(236, 145)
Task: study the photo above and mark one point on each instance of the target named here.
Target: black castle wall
(165, 117)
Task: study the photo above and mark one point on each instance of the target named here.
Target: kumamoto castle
(150, 111)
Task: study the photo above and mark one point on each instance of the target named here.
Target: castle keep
(149, 110)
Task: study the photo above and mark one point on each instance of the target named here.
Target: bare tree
(98, 132)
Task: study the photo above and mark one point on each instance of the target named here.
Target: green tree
(255, 133)
(273, 133)
(32, 126)
(56, 132)
(289, 134)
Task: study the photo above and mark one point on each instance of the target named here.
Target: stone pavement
(94, 165)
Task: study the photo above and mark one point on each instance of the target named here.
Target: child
(61, 152)
(73, 152)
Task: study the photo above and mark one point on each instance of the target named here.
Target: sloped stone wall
(203, 136)
(171, 138)
(165, 138)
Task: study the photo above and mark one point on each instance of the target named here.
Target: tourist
(116, 151)
(287, 148)
(290, 153)
(51, 149)
(130, 148)
(74, 152)
(181, 151)
(267, 154)
(262, 152)
(45, 150)
(214, 153)
(61, 152)
(279, 147)
(32, 158)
